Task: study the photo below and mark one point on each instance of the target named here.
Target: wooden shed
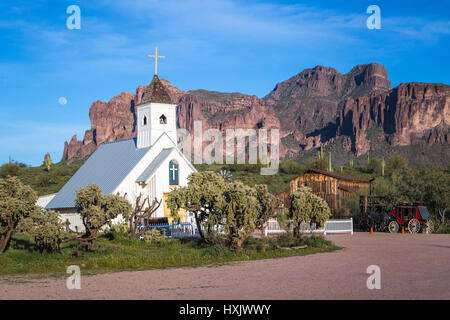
(333, 187)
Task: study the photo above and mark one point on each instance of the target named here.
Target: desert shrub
(320, 164)
(120, 227)
(242, 210)
(17, 202)
(200, 196)
(46, 180)
(373, 166)
(291, 167)
(395, 164)
(307, 207)
(9, 169)
(97, 210)
(45, 229)
(155, 235)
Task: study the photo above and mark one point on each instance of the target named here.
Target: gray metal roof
(150, 170)
(106, 167)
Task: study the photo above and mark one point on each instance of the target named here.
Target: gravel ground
(412, 267)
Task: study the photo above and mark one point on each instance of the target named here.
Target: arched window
(145, 121)
(173, 173)
(163, 119)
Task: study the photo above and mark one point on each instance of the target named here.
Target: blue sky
(224, 45)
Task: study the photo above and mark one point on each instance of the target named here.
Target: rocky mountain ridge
(311, 108)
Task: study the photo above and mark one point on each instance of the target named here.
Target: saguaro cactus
(330, 167)
(383, 165)
(48, 161)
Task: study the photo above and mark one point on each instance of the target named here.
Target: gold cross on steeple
(156, 59)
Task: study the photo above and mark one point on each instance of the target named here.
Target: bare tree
(139, 219)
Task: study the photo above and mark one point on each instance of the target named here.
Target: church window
(163, 119)
(145, 121)
(173, 173)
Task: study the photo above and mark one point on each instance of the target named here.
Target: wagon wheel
(414, 226)
(429, 227)
(393, 227)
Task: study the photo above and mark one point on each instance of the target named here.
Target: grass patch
(119, 253)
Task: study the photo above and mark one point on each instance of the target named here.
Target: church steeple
(156, 113)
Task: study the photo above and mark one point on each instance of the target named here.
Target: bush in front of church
(242, 209)
(97, 209)
(200, 197)
(17, 202)
(154, 235)
(224, 212)
(45, 229)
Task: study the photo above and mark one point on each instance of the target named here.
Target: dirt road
(412, 267)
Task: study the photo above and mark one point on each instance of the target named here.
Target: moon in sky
(62, 101)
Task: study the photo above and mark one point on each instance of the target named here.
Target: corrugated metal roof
(106, 167)
(154, 165)
(336, 175)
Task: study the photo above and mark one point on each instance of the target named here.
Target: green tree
(307, 207)
(17, 201)
(396, 164)
(47, 161)
(45, 228)
(373, 166)
(429, 186)
(200, 197)
(98, 210)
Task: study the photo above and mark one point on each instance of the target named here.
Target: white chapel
(149, 164)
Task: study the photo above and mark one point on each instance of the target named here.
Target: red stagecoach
(411, 216)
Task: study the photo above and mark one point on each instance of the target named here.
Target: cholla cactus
(155, 235)
(46, 230)
(351, 163)
(383, 165)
